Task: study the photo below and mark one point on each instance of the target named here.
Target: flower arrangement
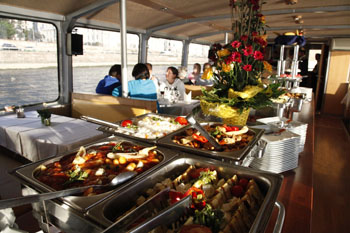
(239, 65)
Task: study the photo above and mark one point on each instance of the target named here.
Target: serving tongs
(156, 211)
(13, 202)
(190, 118)
(106, 123)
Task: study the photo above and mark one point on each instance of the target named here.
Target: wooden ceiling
(204, 21)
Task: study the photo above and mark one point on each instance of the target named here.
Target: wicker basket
(228, 114)
(240, 119)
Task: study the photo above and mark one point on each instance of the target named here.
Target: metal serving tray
(110, 209)
(234, 157)
(114, 132)
(81, 203)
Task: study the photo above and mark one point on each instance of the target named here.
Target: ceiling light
(298, 19)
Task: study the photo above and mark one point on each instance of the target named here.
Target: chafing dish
(106, 212)
(132, 136)
(235, 157)
(81, 203)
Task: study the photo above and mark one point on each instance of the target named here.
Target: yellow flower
(262, 19)
(223, 52)
(267, 66)
(225, 67)
(248, 92)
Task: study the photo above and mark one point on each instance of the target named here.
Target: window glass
(101, 51)
(28, 62)
(197, 53)
(163, 53)
(312, 58)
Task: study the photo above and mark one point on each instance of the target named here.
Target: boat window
(101, 51)
(163, 53)
(197, 53)
(28, 62)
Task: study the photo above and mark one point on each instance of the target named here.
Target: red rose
(258, 55)
(236, 57)
(244, 38)
(248, 50)
(236, 44)
(254, 34)
(247, 67)
(260, 41)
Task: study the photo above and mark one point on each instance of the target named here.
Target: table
(297, 188)
(34, 141)
(180, 108)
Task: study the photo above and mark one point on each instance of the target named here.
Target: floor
(331, 180)
(331, 212)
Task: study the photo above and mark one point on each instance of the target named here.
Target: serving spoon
(119, 179)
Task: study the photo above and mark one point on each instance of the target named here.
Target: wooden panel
(337, 82)
(109, 108)
(196, 90)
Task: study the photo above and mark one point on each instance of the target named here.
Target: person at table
(173, 87)
(110, 81)
(183, 75)
(206, 79)
(150, 69)
(142, 87)
(195, 73)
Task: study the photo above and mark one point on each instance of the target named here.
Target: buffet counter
(70, 213)
(297, 188)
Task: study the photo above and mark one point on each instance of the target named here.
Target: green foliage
(7, 29)
(262, 99)
(212, 218)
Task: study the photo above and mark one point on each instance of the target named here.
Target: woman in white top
(173, 85)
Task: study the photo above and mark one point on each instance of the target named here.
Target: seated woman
(173, 87)
(196, 73)
(110, 81)
(183, 75)
(142, 87)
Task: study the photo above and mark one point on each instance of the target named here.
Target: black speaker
(74, 44)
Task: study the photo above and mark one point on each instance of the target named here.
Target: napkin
(188, 97)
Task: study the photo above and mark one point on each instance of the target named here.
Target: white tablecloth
(31, 139)
(181, 108)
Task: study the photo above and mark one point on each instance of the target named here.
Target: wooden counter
(297, 188)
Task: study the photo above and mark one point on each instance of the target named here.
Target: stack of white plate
(292, 126)
(281, 153)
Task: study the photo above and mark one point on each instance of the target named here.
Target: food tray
(107, 211)
(81, 203)
(135, 119)
(234, 157)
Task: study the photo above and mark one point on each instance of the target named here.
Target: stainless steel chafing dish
(105, 213)
(81, 203)
(114, 131)
(234, 157)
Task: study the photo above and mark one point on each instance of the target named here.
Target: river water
(31, 86)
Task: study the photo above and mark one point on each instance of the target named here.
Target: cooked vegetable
(126, 123)
(181, 120)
